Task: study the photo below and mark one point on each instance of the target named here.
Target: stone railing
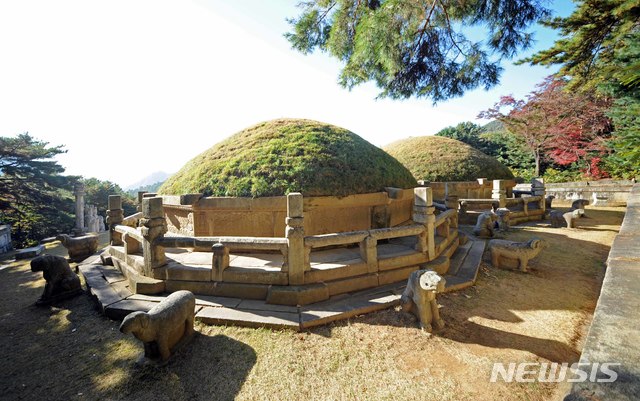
(615, 331)
(143, 248)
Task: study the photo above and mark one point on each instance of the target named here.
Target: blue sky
(132, 87)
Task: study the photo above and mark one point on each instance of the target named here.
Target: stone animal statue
(485, 225)
(503, 222)
(559, 219)
(164, 325)
(79, 247)
(548, 200)
(62, 282)
(579, 204)
(419, 297)
(520, 251)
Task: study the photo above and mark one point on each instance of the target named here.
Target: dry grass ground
(71, 352)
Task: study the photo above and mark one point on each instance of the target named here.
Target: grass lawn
(71, 352)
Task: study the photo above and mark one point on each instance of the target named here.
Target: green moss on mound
(436, 158)
(276, 157)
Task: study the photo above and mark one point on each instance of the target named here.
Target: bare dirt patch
(69, 351)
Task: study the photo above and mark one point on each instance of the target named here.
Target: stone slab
(352, 284)
(28, 253)
(227, 316)
(326, 312)
(208, 300)
(105, 295)
(111, 274)
(118, 310)
(458, 257)
(297, 295)
(254, 304)
(470, 265)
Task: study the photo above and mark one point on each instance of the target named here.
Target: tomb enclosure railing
(143, 248)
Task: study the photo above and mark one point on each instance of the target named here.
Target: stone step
(468, 271)
(458, 257)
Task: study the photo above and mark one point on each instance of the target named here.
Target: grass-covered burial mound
(276, 157)
(436, 158)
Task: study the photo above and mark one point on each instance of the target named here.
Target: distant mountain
(153, 178)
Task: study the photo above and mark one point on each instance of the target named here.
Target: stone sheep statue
(79, 248)
(420, 298)
(520, 251)
(62, 282)
(579, 204)
(164, 326)
(559, 219)
(485, 225)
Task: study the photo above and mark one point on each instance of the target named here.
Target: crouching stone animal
(79, 247)
(558, 218)
(62, 282)
(164, 326)
(579, 204)
(420, 298)
(519, 251)
(485, 225)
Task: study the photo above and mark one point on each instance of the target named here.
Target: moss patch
(276, 157)
(435, 158)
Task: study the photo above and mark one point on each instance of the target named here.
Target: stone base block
(297, 295)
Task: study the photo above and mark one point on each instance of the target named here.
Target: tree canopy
(417, 48)
(34, 197)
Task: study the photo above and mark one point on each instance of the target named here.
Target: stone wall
(615, 331)
(479, 189)
(265, 217)
(5, 238)
(603, 192)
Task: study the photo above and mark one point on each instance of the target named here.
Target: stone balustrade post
(220, 260)
(79, 194)
(294, 232)
(452, 202)
(369, 253)
(140, 197)
(153, 226)
(499, 192)
(538, 189)
(481, 192)
(423, 214)
(115, 216)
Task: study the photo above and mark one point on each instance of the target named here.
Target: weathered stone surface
(520, 251)
(119, 310)
(209, 300)
(352, 284)
(419, 297)
(239, 290)
(257, 305)
(253, 318)
(325, 312)
(485, 226)
(111, 274)
(80, 247)
(164, 326)
(395, 276)
(298, 295)
(28, 253)
(61, 282)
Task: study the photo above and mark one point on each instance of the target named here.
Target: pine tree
(416, 48)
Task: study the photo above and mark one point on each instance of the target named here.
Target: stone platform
(115, 299)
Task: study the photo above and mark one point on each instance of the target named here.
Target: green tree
(97, 193)
(471, 134)
(34, 197)
(416, 48)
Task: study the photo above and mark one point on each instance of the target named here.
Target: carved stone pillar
(295, 237)
(153, 227)
(423, 214)
(79, 193)
(115, 215)
(499, 192)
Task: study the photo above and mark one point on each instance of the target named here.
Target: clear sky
(136, 86)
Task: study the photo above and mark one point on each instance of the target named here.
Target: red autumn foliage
(561, 126)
